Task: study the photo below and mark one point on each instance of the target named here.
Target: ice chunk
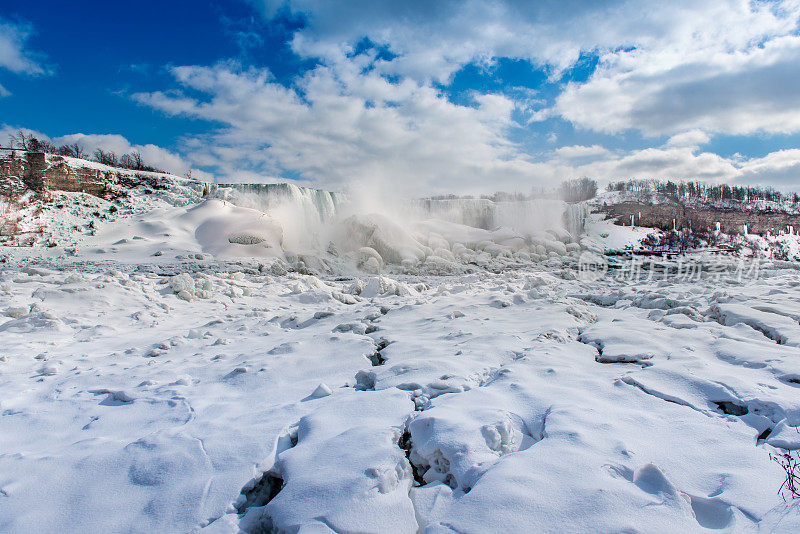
(322, 391)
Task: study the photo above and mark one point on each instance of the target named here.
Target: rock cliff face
(40, 171)
(12, 169)
(60, 175)
(732, 222)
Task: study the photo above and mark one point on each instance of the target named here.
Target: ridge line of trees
(697, 190)
(576, 190)
(131, 161)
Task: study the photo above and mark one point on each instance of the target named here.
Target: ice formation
(435, 234)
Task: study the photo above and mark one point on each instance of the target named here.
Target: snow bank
(228, 231)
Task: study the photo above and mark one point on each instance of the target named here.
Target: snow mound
(228, 231)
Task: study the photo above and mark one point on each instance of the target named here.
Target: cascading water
(316, 203)
(303, 211)
(315, 220)
(528, 217)
(575, 217)
(475, 212)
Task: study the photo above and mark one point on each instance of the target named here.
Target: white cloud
(739, 91)
(668, 163)
(683, 69)
(433, 39)
(665, 67)
(14, 56)
(580, 151)
(6, 131)
(340, 124)
(780, 169)
(664, 163)
(692, 138)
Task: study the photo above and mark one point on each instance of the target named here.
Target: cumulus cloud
(664, 67)
(674, 163)
(340, 124)
(580, 151)
(433, 39)
(683, 69)
(780, 169)
(7, 131)
(741, 91)
(14, 55)
(692, 138)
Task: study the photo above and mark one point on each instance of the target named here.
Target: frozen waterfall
(395, 230)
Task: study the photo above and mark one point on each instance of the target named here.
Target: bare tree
(74, 150)
(18, 140)
(78, 151)
(47, 146)
(126, 162)
(106, 157)
(31, 143)
(138, 164)
(578, 190)
(24, 141)
(134, 162)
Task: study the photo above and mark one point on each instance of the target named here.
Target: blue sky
(98, 52)
(428, 96)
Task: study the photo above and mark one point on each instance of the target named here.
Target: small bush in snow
(791, 466)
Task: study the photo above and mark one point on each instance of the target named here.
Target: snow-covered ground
(155, 383)
(604, 235)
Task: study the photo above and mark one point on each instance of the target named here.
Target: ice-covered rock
(391, 242)
(369, 260)
(382, 286)
(225, 230)
(17, 311)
